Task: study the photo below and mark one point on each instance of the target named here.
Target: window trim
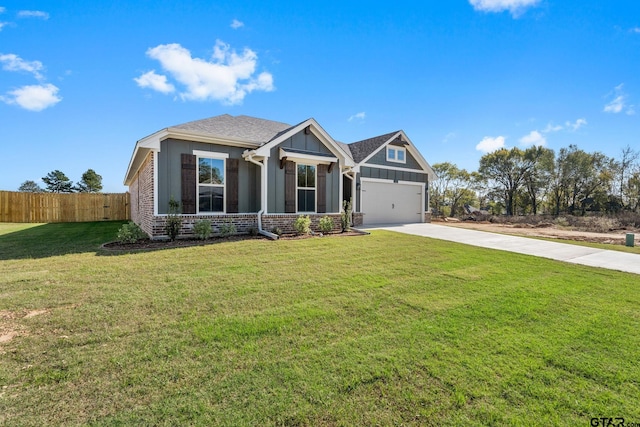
(215, 156)
(315, 188)
(396, 149)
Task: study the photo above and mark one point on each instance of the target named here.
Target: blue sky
(81, 82)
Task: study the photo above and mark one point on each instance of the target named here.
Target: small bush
(277, 231)
(174, 221)
(326, 224)
(228, 229)
(202, 229)
(302, 224)
(345, 215)
(253, 231)
(130, 233)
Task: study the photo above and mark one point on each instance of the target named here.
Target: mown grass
(383, 329)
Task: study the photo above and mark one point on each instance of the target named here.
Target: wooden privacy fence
(57, 207)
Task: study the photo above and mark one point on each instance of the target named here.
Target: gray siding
(169, 173)
(275, 175)
(380, 158)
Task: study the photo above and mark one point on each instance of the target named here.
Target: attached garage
(388, 202)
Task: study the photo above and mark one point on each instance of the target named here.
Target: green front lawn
(385, 329)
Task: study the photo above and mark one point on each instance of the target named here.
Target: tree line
(537, 180)
(57, 182)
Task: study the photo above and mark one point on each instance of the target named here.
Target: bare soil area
(547, 230)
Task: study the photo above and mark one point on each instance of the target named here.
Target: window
(396, 154)
(306, 188)
(210, 184)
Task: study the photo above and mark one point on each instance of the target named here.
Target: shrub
(227, 229)
(202, 229)
(253, 231)
(174, 221)
(302, 224)
(130, 233)
(277, 230)
(345, 215)
(326, 224)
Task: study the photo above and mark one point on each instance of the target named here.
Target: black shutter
(188, 176)
(232, 185)
(290, 187)
(321, 188)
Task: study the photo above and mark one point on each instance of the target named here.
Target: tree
(57, 182)
(30, 187)
(91, 182)
(538, 176)
(506, 169)
(451, 188)
(623, 168)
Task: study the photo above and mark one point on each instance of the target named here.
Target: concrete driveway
(613, 260)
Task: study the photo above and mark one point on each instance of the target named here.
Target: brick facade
(141, 190)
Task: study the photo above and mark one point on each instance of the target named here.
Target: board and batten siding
(276, 176)
(170, 173)
(380, 158)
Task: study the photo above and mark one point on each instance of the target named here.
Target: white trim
(210, 154)
(317, 130)
(214, 156)
(155, 182)
(411, 148)
(308, 159)
(315, 189)
(397, 150)
(393, 168)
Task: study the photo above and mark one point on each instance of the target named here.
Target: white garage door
(388, 202)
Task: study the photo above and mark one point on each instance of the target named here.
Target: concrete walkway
(613, 260)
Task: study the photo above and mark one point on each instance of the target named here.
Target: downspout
(249, 157)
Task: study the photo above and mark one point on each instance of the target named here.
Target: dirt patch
(547, 230)
(10, 327)
(184, 243)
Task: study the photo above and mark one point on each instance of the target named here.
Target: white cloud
(228, 77)
(552, 128)
(33, 97)
(534, 138)
(3, 24)
(235, 24)
(489, 144)
(576, 125)
(448, 137)
(635, 30)
(358, 116)
(515, 7)
(619, 102)
(155, 81)
(12, 62)
(33, 14)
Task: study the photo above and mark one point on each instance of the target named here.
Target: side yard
(381, 329)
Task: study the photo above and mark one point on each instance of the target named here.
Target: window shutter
(188, 175)
(321, 189)
(290, 187)
(232, 185)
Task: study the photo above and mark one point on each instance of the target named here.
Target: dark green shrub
(277, 231)
(130, 233)
(174, 221)
(345, 215)
(202, 229)
(228, 229)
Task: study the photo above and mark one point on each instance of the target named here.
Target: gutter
(248, 156)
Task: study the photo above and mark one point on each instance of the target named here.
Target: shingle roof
(238, 127)
(361, 149)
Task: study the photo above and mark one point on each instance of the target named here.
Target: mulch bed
(148, 244)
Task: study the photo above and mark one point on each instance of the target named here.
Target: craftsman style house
(262, 174)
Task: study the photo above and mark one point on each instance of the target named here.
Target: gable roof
(246, 128)
(360, 150)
